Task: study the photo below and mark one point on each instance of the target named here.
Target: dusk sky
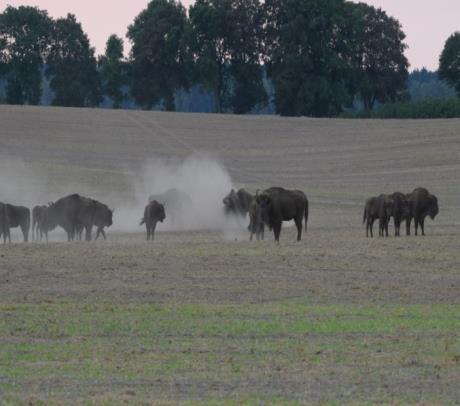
(426, 23)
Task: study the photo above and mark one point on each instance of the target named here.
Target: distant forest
(321, 58)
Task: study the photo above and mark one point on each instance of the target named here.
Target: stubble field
(205, 316)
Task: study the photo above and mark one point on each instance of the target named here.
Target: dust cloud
(202, 183)
(201, 179)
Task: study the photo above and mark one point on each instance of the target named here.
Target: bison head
(231, 202)
(433, 208)
(263, 200)
(160, 212)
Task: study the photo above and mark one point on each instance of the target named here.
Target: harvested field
(205, 316)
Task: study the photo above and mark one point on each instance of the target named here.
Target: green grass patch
(67, 349)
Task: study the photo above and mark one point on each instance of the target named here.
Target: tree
(449, 62)
(159, 55)
(71, 66)
(381, 66)
(24, 39)
(226, 37)
(308, 56)
(113, 71)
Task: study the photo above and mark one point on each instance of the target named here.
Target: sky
(427, 23)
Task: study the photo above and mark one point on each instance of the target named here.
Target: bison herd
(74, 213)
(416, 205)
(77, 214)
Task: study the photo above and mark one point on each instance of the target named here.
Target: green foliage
(430, 108)
(24, 39)
(449, 62)
(378, 56)
(226, 38)
(71, 66)
(113, 71)
(308, 56)
(159, 56)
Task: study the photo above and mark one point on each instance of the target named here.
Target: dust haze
(202, 178)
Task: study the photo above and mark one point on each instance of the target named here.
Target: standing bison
(154, 212)
(278, 205)
(256, 222)
(40, 223)
(18, 216)
(103, 217)
(421, 204)
(381, 208)
(4, 228)
(71, 212)
(237, 203)
(401, 210)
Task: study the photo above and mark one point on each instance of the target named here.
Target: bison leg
(298, 223)
(397, 224)
(154, 225)
(422, 225)
(277, 230)
(408, 221)
(25, 233)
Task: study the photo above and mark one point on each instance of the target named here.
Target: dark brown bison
(4, 228)
(381, 208)
(256, 223)
(40, 223)
(421, 203)
(278, 205)
(237, 203)
(72, 211)
(18, 216)
(154, 212)
(401, 210)
(103, 217)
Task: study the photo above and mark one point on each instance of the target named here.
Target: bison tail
(142, 221)
(306, 214)
(364, 216)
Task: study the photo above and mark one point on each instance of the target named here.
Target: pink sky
(426, 23)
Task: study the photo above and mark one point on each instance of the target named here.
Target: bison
(256, 223)
(381, 208)
(237, 203)
(17, 216)
(40, 223)
(421, 204)
(103, 217)
(71, 212)
(401, 210)
(154, 212)
(278, 205)
(4, 228)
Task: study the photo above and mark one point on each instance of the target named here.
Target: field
(205, 316)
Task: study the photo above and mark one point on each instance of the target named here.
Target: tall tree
(449, 62)
(24, 38)
(226, 37)
(113, 71)
(72, 67)
(159, 55)
(379, 58)
(308, 56)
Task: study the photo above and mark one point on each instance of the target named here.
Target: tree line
(319, 57)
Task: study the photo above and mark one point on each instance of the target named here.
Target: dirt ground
(47, 152)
